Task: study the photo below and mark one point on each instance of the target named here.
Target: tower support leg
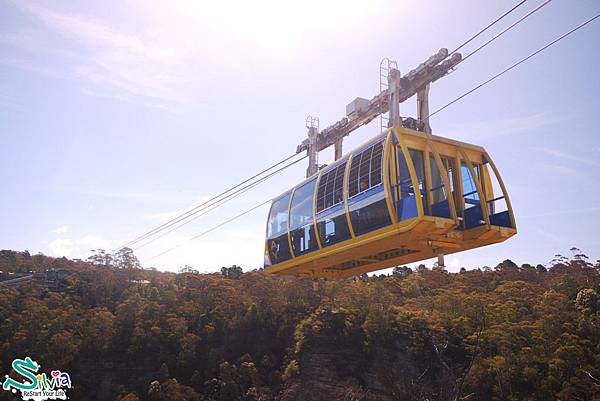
(423, 109)
(440, 256)
(338, 149)
(394, 101)
(312, 151)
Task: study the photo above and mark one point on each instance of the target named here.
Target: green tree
(125, 259)
(233, 272)
(401, 271)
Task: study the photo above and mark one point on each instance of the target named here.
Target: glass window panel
(370, 214)
(333, 225)
(367, 203)
(438, 191)
(499, 215)
(338, 193)
(364, 174)
(353, 179)
(473, 214)
(277, 239)
(419, 163)
(440, 205)
(469, 188)
(376, 163)
(321, 191)
(302, 231)
(407, 206)
(331, 187)
(406, 185)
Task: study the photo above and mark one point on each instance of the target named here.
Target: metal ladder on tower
(384, 71)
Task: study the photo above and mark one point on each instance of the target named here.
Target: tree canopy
(125, 333)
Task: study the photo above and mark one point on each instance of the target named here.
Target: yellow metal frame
(289, 222)
(385, 169)
(504, 191)
(314, 208)
(346, 195)
(422, 234)
(477, 180)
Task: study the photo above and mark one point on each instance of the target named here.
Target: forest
(506, 332)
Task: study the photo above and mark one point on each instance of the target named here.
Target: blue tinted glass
(302, 231)
(469, 188)
(366, 201)
(407, 206)
(278, 247)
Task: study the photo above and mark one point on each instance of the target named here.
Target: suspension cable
(511, 26)
(194, 210)
(487, 27)
(221, 202)
(208, 231)
(514, 65)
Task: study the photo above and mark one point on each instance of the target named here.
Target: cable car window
(366, 169)
(473, 214)
(469, 188)
(376, 163)
(338, 186)
(440, 206)
(277, 231)
(419, 163)
(353, 180)
(322, 191)
(496, 200)
(407, 205)
(366, 200)
(332, 224)
(331, 187)
(302, 230)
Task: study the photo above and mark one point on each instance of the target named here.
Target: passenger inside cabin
(364, 184)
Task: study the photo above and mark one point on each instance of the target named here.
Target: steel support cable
(221, 202)
(209, 230)
(204, 211)
(487, 27)
(511, 26)
(514, 65)
(193, 210)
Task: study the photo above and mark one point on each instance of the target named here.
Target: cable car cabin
(402, 197)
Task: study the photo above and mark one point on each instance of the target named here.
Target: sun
(278, 26)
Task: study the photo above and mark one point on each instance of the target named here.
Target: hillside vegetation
(124, 333)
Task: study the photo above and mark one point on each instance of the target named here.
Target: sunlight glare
(278, 27)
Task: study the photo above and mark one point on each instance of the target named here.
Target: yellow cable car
(402, 197)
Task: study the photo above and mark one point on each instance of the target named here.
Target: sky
(115, 116)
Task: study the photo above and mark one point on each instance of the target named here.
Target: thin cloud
(76, 248)
(588, 210)
(168, 215)
(559, 154)
(504, 127)
(171, 196)
(61, 230)
(153, 68)
(553, 169)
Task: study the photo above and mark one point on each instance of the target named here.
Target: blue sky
(117, 115)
